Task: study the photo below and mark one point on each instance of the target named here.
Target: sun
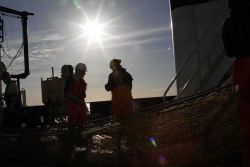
(94, 31)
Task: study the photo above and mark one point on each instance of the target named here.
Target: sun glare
(94, 31)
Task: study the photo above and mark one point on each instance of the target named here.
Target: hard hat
(81, 66)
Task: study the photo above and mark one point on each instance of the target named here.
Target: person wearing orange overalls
(120, 85)
(75, 93)
(79, 116)
(236, 39)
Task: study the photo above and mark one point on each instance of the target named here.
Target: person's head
(115, 64)
(66, 70)
(80, 70)
(6, 77)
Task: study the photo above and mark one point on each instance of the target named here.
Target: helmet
(81, 66)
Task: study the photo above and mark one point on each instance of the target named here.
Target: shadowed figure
(12, 102)
(120, 85)
(236, 39)
(74, 96)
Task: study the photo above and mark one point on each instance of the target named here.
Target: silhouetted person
(11, 99)
(68, 74)
(75, 93)
(79, 116)
(236, 39)
(120, 85)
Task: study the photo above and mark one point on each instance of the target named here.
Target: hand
(237, 88)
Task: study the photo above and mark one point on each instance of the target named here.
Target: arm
(109, 86)
(82, 92)
(128, 79)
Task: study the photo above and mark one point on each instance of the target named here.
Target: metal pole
(1, 95)
(53, 76)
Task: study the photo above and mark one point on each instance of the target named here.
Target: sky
(93, 32)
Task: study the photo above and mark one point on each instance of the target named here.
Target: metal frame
(189, 57)
(24, 17)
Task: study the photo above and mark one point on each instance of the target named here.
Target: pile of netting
(199, 129)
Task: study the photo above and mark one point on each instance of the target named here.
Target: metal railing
(213, 44)
(204, 59)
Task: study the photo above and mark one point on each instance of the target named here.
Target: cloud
(142, 33)
(49, 35)
(153, 35)
(45, 46)
(135, 42)
(52, 37)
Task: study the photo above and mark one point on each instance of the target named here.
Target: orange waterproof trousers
(122, 101)
(241, 77)
(77, 111)
(122, 107)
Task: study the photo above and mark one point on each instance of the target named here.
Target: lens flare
(77, 4)
(162, 160)
(152, 140)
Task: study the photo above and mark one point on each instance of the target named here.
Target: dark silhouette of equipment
(24, 17)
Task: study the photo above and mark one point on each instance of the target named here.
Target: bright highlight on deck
(152, 139)
(162, 160)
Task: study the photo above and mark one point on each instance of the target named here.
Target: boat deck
(201, 130)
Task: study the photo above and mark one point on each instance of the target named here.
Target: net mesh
(198, 129)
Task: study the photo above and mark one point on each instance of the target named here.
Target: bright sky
(93, 32)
